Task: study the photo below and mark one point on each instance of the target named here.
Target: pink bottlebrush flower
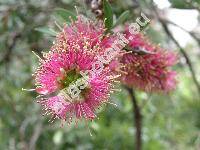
(148, 72)
(86, 33)
(73, 53)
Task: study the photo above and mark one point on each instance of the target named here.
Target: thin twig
(35, 136)
(190, 33)
(10, 47)
(188, 61)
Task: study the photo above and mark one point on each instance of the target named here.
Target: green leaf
(65, 14)
(108, 14)
(46, 30)
(122, 18)
(184, 4)
(140, 51)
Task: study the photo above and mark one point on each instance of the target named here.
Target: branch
(35, 136)
(188, 61)
(11, 46)
(192, 34)
(137, 119)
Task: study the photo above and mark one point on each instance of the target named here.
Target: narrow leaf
(108, 14)
(140, 51)
(122, 18)
(46, 30)
(65, 14)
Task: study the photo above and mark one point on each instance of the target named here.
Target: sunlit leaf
(65, 14)
(122, 18)
(108, 14)
(46, 30)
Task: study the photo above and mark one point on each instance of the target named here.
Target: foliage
(170, 121)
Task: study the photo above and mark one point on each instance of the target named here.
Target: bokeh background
(170, 122)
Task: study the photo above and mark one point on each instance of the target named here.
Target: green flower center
(68, 79)
(71, 77)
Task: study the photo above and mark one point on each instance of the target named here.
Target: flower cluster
(71, 67)
(150, 72)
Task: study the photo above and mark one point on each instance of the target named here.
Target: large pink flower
(148, 72)
(75, 50)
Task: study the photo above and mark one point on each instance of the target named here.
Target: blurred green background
(170, 122)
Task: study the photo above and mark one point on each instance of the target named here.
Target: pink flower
(73, 53)
(87, 35)
(149, 72)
